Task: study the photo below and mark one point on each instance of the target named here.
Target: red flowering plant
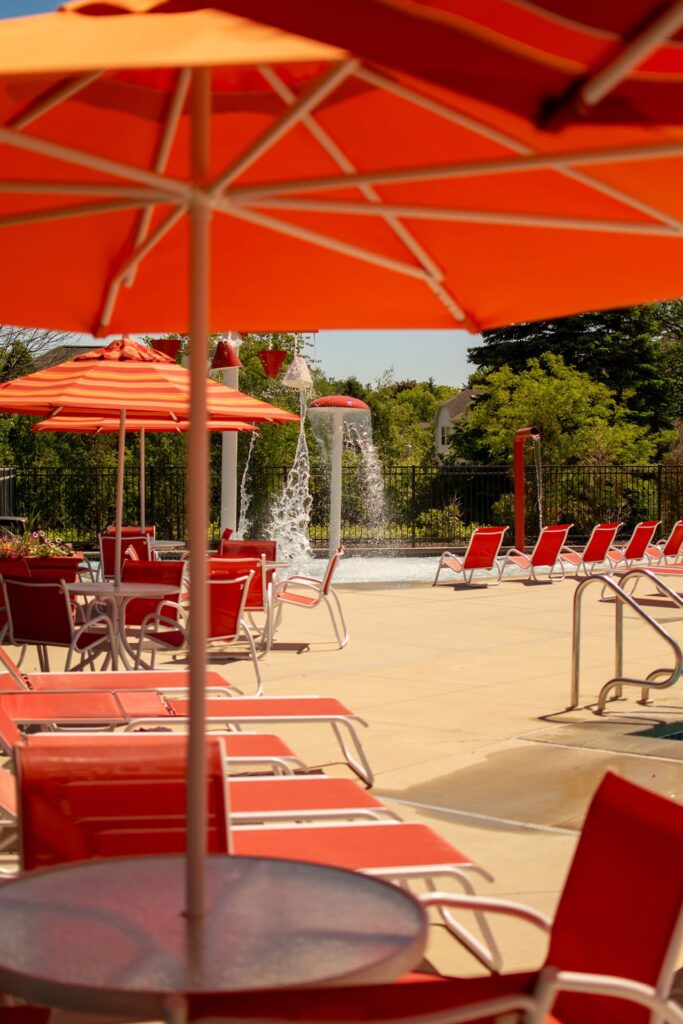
(34, 545)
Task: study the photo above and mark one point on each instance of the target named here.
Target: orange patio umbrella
(172, 168)
(61, 423)
(127, 377)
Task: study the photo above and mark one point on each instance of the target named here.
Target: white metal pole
(335, 478)
(229, 462)
(119, 496)
(198, 493)
(142, 477)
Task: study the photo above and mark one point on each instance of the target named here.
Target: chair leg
(254, 658)
(344, 639)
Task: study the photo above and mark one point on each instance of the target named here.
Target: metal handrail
(619, 679)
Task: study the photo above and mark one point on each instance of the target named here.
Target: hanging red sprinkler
(225, 357)
(169, 346)
(272, 360)
(522, 435)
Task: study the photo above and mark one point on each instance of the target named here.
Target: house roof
(61, 354)
(458, 405)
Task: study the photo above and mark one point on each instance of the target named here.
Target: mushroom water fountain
(330, 417)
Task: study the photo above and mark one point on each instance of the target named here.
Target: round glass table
(110, 936)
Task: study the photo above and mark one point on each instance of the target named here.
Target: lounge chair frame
(460, 565)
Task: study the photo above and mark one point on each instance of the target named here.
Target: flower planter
(63, 567)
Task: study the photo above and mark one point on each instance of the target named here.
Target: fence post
(413, 507)
(659, 491)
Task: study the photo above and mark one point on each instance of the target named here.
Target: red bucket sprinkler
(169, 346)
(522, 435)
(225, 357)
(272, 360)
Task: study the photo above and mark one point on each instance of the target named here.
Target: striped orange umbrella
(127, 377)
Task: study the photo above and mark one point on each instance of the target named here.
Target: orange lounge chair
(595, 554)
(481, 553)
(612, 953)
(127, 710)
(663, 550)
(140, 810)
(636, 548)
(545, 555)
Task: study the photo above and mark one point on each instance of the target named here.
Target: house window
(446, 433)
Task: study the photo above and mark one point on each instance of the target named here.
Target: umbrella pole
(142, 477)
(198, 495)
(119, 496)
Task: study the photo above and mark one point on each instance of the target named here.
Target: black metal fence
(422, 505)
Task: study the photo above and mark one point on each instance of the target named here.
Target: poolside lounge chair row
(552, 554)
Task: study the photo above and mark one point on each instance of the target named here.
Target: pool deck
(465, 691)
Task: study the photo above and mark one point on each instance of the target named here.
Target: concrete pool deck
(465, 691)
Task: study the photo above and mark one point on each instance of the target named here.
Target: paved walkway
(465, 692)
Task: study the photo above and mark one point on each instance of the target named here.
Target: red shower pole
(521, 436)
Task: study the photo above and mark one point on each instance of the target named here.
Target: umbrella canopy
(343, 194)
(126, 375)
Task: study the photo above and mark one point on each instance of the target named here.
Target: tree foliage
(579, 418)
(632, 351)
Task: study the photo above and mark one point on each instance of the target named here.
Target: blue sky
(364, 354)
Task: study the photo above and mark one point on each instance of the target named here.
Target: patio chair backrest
(227, 599)
(674, 542)
(331, 569)
(248, 549)
(550, 542)
(38, 612)
(152, 571)
(232, 568)
(140, 542)
(83, 798)
(600, 541)
(133, 531)
(621, 907)
(640, 538)
(483, 547)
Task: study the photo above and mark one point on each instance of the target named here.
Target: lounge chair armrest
(571, 550)
(516, 551)
(552, 982)
(159, 620)
(488, 904)
(297, 581)
(303, 579)
(97, 619)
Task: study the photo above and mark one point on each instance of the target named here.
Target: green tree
(625, 349)
(579, 419)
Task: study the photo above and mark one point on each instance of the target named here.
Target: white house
(447, 414)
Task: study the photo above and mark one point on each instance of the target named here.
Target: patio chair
(545, 554)
(228, 548)
(133, 531)
(663, 550)
(138, 542)
(308, 592)
(636, 548)
(42, 615)
(481, 553)
(153, 571)
(595, 553)
(260, 592)
(143, 709)
(227, 624)
(613, 947)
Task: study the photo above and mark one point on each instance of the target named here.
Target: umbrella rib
(168, 134)
(509, 142)
(449, 213)
(326, 84)
(514, 165)
(82, 189)
(114, 284)
(171, 187)
(399, 229)
(69, 212)
(52, 98)
(322, 241)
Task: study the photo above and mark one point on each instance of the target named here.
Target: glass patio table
(116, 596)
(110, 936)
